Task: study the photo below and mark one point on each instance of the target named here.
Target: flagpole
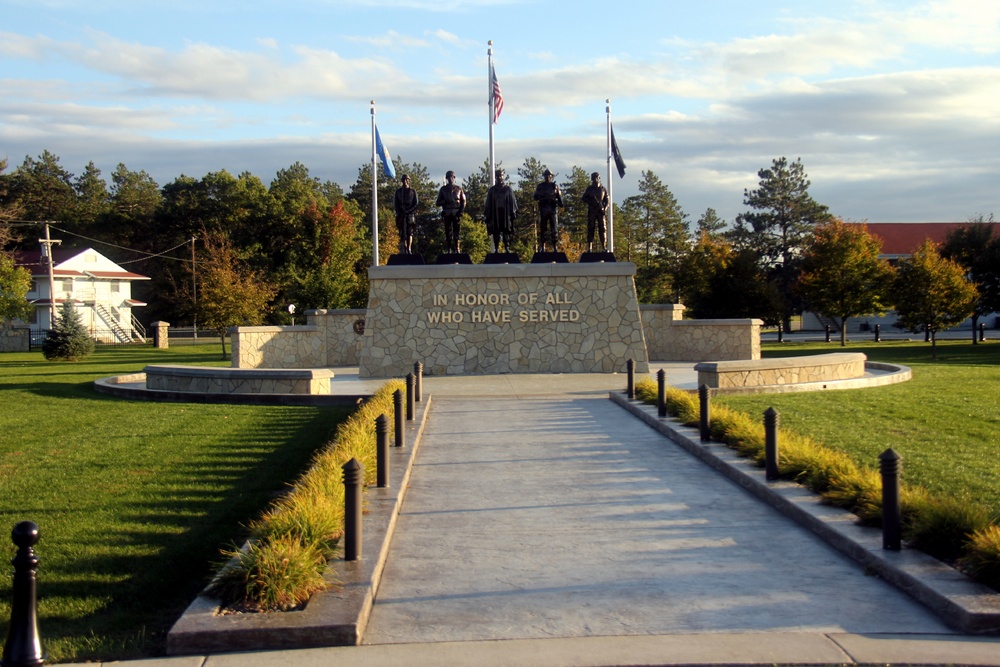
(374, 195)
(492, 112)
(611, 181)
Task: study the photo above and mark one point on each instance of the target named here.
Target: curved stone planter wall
(782, 371)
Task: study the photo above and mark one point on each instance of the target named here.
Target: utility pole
(194, 288)
(47, 243)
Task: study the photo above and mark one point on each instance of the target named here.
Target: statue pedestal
(453, 258)
(599, 256)
(549, 257)
(403, 259)
(502, 318)
(502, 258)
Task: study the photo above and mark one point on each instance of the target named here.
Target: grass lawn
(945, 422)
(133, 499)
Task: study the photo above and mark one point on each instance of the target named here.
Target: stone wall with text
(503, 318)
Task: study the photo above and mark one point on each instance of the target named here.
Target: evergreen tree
(68, 340)
(782, 217)
(711, 224)
(43, 189)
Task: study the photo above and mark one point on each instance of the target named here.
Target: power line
(149, 255)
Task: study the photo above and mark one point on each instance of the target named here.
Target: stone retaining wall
(343, 334)
(786, 370)
(330, 338)
(277, 347)
(14, 337)
(211, 380)
(669, 337)
(502, 318)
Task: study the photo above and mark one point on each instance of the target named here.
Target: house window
(114, 286)
(67, 286)
(90, 258)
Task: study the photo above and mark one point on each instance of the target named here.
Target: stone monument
(502, 318)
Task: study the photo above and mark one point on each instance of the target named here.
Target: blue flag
(383, 154)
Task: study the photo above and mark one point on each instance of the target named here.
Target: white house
(100, 289)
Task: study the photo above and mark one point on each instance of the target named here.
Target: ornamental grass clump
(944, 526)
(284, 561)
(982, 556)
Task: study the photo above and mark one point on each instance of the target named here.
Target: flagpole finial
(489, 43)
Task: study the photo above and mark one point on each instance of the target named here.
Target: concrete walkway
(567, 517)
(544, 526)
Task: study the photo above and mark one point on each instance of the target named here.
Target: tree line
(229, 249)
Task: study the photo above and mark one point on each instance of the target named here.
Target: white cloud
(965, 25)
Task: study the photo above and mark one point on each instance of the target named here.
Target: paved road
(566, 517)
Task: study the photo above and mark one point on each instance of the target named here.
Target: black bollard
(827, 333)
(418, 381)
(781, 333)
(891, 465)
(982, 332)
(878, 333)
(661, 393)
(409, 396)
(354, 479)
(24, 646)
(772, 419)
(705, 414)
(630, 388)
(397, 404)
(927, 333)
(382, 451)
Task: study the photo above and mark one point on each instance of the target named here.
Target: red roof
(903, 238)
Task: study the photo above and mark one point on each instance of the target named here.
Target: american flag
(497, 98)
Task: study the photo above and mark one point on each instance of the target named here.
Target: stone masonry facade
(782, 371)
(208, 380)
(14, 337)
(330, 338)
(670, 337)
(502, 318)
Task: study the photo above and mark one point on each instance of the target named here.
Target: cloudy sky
(893, 107)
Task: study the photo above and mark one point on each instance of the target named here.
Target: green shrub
(292, 541)
(68, 340)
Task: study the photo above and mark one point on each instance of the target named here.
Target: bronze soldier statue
(451, 199)
(405, 205)
(499, 212)
(596, 199)
(549, 199)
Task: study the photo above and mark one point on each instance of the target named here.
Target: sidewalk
(544, 525)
